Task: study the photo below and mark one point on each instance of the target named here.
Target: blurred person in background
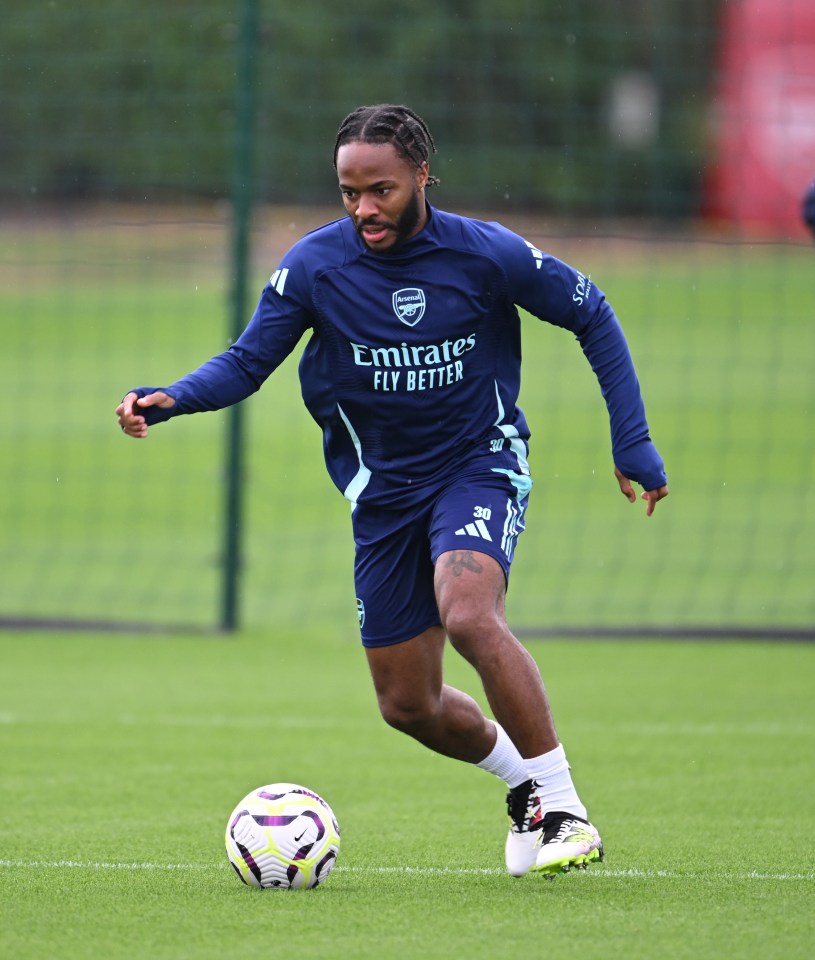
(808, 208)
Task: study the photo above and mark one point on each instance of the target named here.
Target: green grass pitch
(123, 756)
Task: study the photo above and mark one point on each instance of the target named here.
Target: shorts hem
(393, 641)
(497, 555)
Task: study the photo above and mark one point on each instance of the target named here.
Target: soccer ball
(282, 836)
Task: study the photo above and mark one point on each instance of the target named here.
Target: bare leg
(408, 677)
(413, 698)
(470, 588)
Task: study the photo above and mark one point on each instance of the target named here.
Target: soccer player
(412, 370)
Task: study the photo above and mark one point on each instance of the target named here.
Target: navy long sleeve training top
(413, 362)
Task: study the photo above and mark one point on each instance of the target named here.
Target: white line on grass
(102, 865)
(597, 872)
(218, 721)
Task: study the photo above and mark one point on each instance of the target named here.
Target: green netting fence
(157, 160)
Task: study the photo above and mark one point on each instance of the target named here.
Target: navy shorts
(396, 550)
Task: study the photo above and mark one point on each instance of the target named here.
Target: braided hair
(389, 123)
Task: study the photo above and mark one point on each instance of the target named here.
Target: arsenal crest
(408, 305)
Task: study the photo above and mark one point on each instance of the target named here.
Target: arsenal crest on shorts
(408, 305)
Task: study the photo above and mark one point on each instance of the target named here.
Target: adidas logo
(278, 280)
(535, 253)
(476, 529)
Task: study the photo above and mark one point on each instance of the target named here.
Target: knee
(459, 623)
(472, 634)
(408, 714)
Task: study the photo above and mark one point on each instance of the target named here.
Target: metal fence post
(244, 140)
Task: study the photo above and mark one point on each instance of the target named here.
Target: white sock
(504, 760)
(553, 773)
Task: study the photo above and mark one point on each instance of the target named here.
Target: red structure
(764, 116)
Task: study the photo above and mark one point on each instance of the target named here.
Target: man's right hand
(131, 420)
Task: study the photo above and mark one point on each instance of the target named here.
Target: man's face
(383, 194)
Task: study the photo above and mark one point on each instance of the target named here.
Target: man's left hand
(650, 496)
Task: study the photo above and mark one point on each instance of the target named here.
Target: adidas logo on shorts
(475, 529)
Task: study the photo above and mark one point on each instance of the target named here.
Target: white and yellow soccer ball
(282, 837)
